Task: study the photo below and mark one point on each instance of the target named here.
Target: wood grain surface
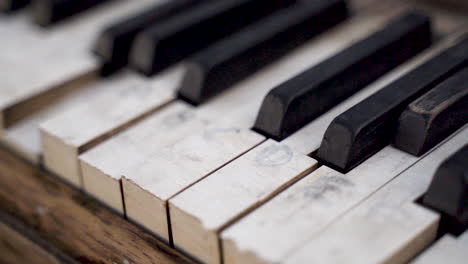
(72, 222)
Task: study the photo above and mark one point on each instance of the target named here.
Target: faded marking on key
(326, 185)
(274, 156)
(213, 133)
(179, 118)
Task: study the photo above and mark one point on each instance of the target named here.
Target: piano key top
(304, 211)
(167, 43)
(43, 67)
(388, 220)
(114, 43)
(448, 191)
(370, 125)
(217, 67)
(12, 5)
(296, 102)
(204, 148)
(434, 116)
(47, 12)
(250, 176)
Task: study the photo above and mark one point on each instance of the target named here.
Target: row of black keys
(416, 111)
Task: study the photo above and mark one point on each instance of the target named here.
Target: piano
(234, 131)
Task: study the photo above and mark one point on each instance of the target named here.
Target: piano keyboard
(250, 131)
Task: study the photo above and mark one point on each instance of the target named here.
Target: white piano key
(305, 141)
(447, 249)
(126, 100)
(386, 227)
(237, 106)
(201, 211)
(36, 61)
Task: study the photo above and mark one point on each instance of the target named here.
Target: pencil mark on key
(333, 184)
(274, 156)
(137, 90)
(179, 118)
(213, 133)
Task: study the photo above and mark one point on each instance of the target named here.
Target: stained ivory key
(30, 86)
(70, 133)
(220, 132)
(387, 227)
(204, 238)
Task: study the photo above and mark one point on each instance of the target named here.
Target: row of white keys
(199, 213)
(118, 105)
(156, 167)
(448, 249)
(303, 212)
(387, 227)
(50, 70)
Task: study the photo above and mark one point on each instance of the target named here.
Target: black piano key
(299, 100)
(434, 116)
(448, 191)
(12, 5)
(47, 12)
(370, 125)
(114, 43)
(217, 67)
(166, 43)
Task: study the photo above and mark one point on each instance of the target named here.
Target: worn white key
(200, 212)
(23, 135)
(388, 226)
(202, 240)
(200, 152)
(197, 152)
(303, 211)
(36, 61)
(448, 249)
(91, 121)
(49, 70)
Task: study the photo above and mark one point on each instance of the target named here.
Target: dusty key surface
(201, 154)
(388, 226)
(204, 239)
(306, 140)
(27, 80)
(126, 101)
(238, 188)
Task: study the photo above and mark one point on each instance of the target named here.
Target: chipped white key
(197, 157)
(23, 135)
(197, 153)
(200, 212)
(448, 249)
(388, 226)
(85, 124)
